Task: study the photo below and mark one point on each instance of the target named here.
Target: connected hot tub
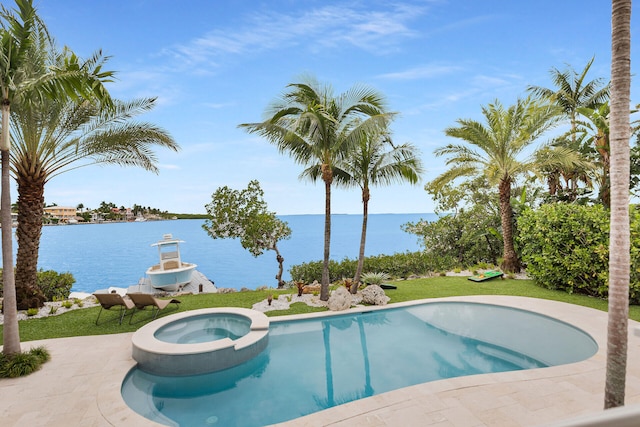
(200, 341)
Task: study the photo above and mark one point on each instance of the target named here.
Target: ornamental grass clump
(375, 278)
(22, 364)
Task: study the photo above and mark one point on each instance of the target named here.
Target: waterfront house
(62, 213)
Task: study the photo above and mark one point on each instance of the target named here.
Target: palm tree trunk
(363, 237)
(30, 212)
(619, 238)
(324, 287)
(510, 262)
(11, 334)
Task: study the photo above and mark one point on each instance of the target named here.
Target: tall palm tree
(594, 131)
(619, 239)
(20, 30)
(56, 136)
(376, 161)
(493, 150)
(318, 129)
(571, 92)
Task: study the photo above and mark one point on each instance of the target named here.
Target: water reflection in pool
(313, 364)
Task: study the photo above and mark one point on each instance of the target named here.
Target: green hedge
(400, 265)
(566, 247)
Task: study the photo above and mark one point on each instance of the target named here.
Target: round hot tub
(204, 327)
(200, 341)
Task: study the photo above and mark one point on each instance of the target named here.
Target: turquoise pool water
(204, 328)
(314, 364)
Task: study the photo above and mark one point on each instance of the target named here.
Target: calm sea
(104, 255)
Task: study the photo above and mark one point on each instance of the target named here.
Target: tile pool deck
(80, 386)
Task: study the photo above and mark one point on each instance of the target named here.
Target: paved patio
(80, 386)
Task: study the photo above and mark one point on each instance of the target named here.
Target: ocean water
(117, 254)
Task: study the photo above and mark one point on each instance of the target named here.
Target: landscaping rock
(339, 300)
(374, 294)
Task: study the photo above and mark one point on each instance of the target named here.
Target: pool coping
(81, 384)
(167, 358)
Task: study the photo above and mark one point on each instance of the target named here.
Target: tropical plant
(23, 364)
(22, 32)
(495, 151)
(376, 161)
(244, 215)
(54, 136)
(594, 134)
(375, 278)
(571, 92)
(318, 129)
(619, 242)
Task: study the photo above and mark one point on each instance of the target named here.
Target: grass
(82, 322)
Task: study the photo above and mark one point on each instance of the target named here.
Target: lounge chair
(113, 300)
(141, 301)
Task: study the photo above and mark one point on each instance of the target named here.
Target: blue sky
(216, 64)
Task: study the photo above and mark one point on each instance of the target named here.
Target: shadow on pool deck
(80, 386)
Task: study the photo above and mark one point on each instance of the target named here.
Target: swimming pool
(313, 364)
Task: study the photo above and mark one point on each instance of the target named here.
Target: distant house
(62, 213)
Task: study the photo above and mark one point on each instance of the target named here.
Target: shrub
(566, 247)
(67, 304)
(23, 364)
(55, 285)
(32, 312)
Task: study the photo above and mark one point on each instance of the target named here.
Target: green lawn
(82, 321)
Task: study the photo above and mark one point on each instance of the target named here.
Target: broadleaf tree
(243, 214)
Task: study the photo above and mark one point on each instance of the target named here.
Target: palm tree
(371, 164)
(595, 133)
(56, 136)
(571, 93)
(20, 30)
(495, 149)
(318, 129)
(619, 245)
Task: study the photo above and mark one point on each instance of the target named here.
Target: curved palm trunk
(28, 233)
(324, 288)
(363, 237)
(510, 261)
(11, 335)
(619, 239)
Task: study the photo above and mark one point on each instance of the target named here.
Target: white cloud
(168, 166)
(424, 72)
(372, 30)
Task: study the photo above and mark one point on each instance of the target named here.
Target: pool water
(204, 328)
(314, 364)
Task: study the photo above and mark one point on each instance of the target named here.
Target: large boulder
(339, 300)
(374, 294)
